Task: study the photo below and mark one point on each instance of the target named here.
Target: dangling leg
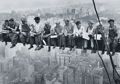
(114, 46)
(23, 39)
(40, 39)
(14, 39)
(60, 41)
(103, 46)
(63, 41)
(49, 44)
(31, 42)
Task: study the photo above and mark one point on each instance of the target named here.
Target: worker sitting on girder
(68, 31)
(60, 36)
(89, 30)
(14, 32)
(112, 37)
(24, 31)
(36, 34)
(47, 33)
(5, 31)
(99, 31)
(78, 31)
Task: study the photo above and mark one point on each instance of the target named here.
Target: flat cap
(78, 22)
(110, 20)
(11, 19)
(91, 22)
(37, 18)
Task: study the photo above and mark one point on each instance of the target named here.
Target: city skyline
(34, 4)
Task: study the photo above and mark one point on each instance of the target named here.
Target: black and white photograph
(59, 41)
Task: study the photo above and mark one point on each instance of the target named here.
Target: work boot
(63, 48)
(108, 52)
(54, 47)
(102, 52)
(60, 47)
(24, 44)
(5, 43)
(49, 49)
(13, 45)
(37, 48)
(93, 51)
(71, 49)
(113, 53)
(30, 47)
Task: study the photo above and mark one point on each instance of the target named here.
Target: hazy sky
(6, 5)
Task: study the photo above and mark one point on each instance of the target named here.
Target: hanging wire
(97, 43)
(112, 63)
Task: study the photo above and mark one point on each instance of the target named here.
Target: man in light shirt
(14, 32)
(78, 31)
(36, 33)
(61, 38)
(68, 31)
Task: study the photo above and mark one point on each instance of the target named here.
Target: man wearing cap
(89, 30)
(5, 31)
(99, 30)
(25, 31)
(68, 31)
(61, 38)
(112, 36)
(37, 33)
(78, 31)
(14, 32)
(47, 33)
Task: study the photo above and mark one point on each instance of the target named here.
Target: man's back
(58, 29)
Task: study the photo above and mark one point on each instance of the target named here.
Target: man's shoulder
(16, 24)
(3, 24)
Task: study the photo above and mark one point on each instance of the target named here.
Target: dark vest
(112, 32)
(14, 25)
(47, 29)
(25, 28)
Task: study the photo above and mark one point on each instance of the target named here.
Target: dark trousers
(103, 45)
(51, 41)
(60, 40)
(24, 37)
(5, 37)
(112, 45)
(37, 39)
(71, 41)
(79, 42)
(13, 37)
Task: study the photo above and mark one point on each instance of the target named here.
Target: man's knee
(22, 36)
(15, 36)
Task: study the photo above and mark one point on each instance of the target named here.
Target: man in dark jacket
(112, 36)
(5, 31)
(14, 32)
(25, 30)
(47, 34)
(60, 37)
(101, 31)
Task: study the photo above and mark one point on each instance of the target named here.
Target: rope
(97, 43)
(112, 63)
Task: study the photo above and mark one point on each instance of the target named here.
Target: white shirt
(90, 31)
(37, 28)
(80, 31)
